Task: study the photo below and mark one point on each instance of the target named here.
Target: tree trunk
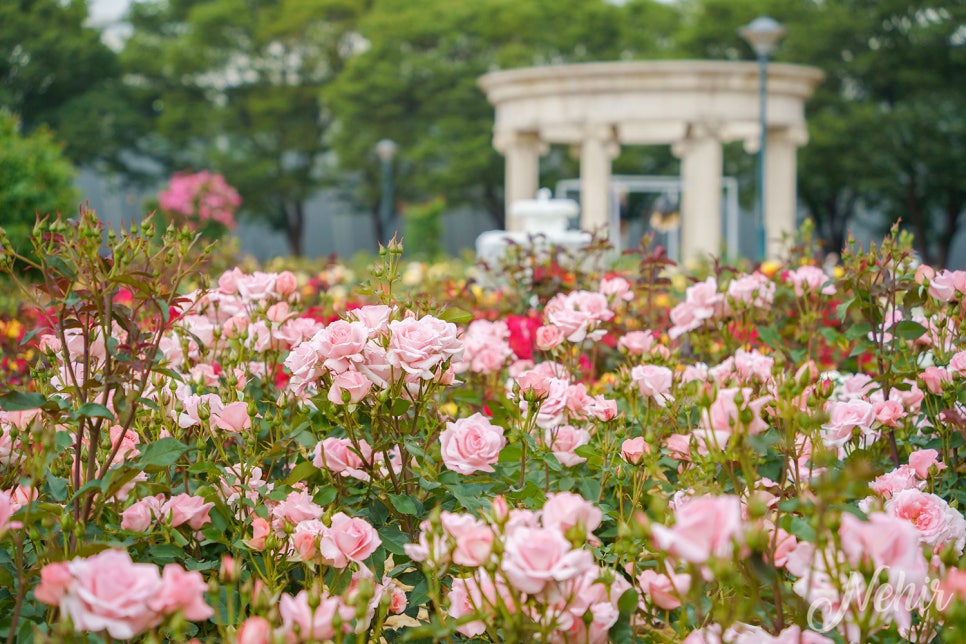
(915, 213)
(493, 202)
(295, 224)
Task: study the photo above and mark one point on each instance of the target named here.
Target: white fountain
(544, 223)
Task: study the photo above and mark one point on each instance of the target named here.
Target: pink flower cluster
(200, 197)
(109, 593)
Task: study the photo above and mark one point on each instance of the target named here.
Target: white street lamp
(762, 34)
(386, 150)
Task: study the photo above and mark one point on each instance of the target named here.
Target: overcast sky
(106, 11)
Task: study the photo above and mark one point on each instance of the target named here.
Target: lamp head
(386, 149)
(763, 33)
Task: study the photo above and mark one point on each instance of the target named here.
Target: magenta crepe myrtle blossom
(200, 197)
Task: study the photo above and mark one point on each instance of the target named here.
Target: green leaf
(92, 410)
(858, 331)
(400, 406)
(627, 604)
(393, 539)
(770, 336)
(162, 453)
(909, 330)
(456, 316)
(21, 401)
(302, 471)
(405, 504)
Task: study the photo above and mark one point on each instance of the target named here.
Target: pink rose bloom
(702, 302)
(7, 510)
(339, 455)
(724, 415)
(285, 283)
(254, 630)
(139, 516)
(228, 282)
(305, 363)
(182, 591)
(352, 383)
(934, 378)
(664, 591)
(945, 284)
(474, 539)
(654, 382)
(937, 523)
(257, 286)
(298, 506)
(305, 538)
(811, 279)
(185, 508)
(887, 541)
(889, 412)
(548, 337)
(374, 316)
(617, 288)
(418, 347)
(471, 444)
(951, 587)
(232, 418)
(563, 440)
(636, 343)
(704, 527)
(845, 418)
(755, 290)
(538, 559)
(565, 511)
(260, 531)
(485, 347)
(533, 382)
(957, 364)
(301, 623)
(679, 447)
(633, 449)
(341, 344)
(902, 478)
(348, 539)
(55, 580)
(922, 461)
(477, 595)
(111, 593)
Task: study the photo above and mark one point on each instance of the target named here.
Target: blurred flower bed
(562, 449)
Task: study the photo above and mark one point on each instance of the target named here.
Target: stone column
(780, 187)
(598, 148)
(521, 151)
(701, 165)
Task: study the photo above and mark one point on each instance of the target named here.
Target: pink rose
(139, 516)
(305, 538)
(664, 591)
(474, 539)
(548, 337)
(374, 316)
(303, 624)
(889, 412)
(944, 285)
(937, 523)
(341, 344)
(565, 511)
(811, 279)
(471, 444)
(257, 286)
(562, 440)
(254, 630)
(478, 595)
(339, 455)
(617, 288)
(654, 382)
(111, 593)
(260, 531)
(351, 383)
(419, 347)
(887, 541)
(923, 460)
(633, 450)
(957, 364)
(232, 418)
(298, 506)
(228, 282)
(636, 342)
(185, 508)
(845, 418)
(55, 581)
(704, 527)
(348, 539)
(934, 378)
(951, 587)
(891, 483)
(182, 591)
(285, 283)
(538, 559)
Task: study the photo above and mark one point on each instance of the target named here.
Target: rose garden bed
(569, 456)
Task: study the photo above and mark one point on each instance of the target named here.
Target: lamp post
(762, 34)
(385, 150)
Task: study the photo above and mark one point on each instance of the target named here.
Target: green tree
(236, 87)
(416, 84)
(35, 178)
(57, 72)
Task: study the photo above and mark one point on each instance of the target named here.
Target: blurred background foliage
(285, 97)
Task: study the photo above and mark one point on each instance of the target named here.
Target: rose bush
(566, 455)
